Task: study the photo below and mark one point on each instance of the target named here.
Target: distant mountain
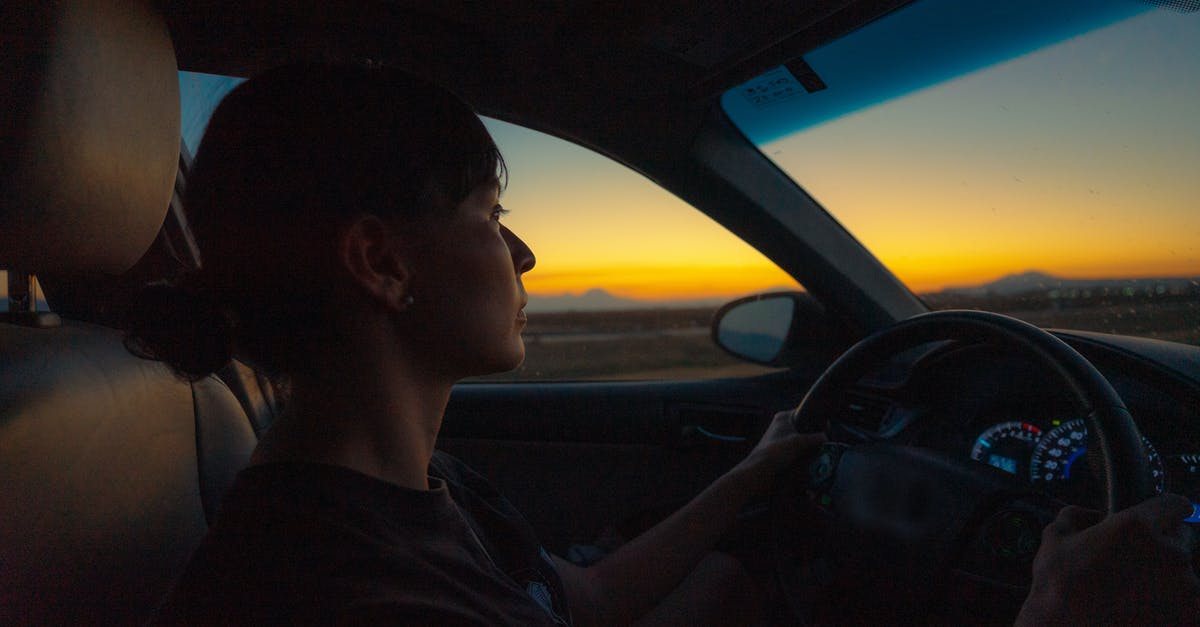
(1028, 281)
(597, 299)
(593, 299)
(1036, 281)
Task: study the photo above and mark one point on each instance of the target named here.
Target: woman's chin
(516, 358)
(504, 361)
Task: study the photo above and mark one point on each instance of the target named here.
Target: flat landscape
(665, 343)
(632, 345)
(1172, 317)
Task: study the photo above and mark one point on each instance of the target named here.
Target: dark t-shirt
(321, 544)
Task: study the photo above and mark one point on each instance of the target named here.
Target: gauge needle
(1074, 456)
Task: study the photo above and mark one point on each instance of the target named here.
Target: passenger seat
(110, 467)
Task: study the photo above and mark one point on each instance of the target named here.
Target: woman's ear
(370, 251)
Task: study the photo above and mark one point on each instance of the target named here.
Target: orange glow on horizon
(926, 275)
(685, 282)
(934, 278)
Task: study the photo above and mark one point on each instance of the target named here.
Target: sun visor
(90, 142)
(919, 46)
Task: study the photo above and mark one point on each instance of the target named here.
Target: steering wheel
(917, 528)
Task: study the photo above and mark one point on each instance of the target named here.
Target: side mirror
(777, 329)
(755, 329)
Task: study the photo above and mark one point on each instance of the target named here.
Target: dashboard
(992, 407)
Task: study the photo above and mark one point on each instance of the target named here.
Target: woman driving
(350, 228)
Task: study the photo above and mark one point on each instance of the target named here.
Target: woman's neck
(372, 417)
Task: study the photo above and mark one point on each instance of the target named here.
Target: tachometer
(1007, 446)
(1059, 464)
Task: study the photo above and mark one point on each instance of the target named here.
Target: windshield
(1038, 159)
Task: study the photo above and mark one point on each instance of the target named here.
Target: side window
(199, 95)
(627, 277)
(38, 296)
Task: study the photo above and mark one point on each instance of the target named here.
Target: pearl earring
(408, 299)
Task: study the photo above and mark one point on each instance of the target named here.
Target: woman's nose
(522, 255)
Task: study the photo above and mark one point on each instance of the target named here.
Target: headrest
(89, 142)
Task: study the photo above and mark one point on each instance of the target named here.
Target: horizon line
(781, 288)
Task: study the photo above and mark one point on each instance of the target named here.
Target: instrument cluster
(991, 405)
(1053, 457)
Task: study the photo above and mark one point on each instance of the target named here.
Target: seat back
(110, 466)
(107, 463)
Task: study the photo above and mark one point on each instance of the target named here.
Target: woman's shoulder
(473, 493)
(318, 493)
(454, 471)
(313, 536)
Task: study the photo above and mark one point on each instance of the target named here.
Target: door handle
(696, 431)
(691, 436)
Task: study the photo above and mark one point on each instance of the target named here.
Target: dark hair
(288, 157)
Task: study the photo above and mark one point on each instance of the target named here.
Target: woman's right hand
(1131, 567)
(780, 447)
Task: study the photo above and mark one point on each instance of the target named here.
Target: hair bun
(182, 327)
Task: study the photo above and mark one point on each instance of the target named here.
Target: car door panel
(578, 457)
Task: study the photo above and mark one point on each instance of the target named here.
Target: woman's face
(466, 285)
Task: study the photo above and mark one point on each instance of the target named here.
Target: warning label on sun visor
(771, 87)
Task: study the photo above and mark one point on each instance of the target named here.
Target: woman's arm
(633, 579)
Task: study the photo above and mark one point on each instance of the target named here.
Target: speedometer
(1007, 446)
(1060, 465)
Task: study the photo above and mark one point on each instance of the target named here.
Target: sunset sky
(594, 223)
(1080, 159)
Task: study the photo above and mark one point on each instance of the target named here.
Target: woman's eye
(499, 212)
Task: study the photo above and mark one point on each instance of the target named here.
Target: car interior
(111, 467)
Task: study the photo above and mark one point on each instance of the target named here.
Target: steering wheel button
(1012, 535)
